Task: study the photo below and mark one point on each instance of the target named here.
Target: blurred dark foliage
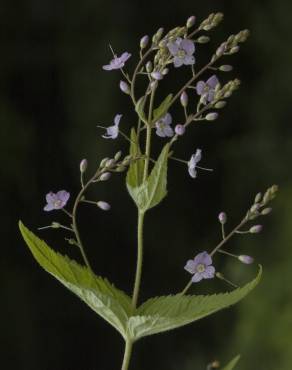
(53, 93)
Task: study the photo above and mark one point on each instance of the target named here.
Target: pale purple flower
(112, 132)
(163, 128)
(207, 89)
(117, 62)
(192, 164)
(180, 129)
(200, 267)
(182, 51)
(56, 200)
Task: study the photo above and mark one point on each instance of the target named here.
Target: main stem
(127, 355)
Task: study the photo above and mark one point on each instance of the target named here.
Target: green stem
(139, 259)
(187, 287)
(127, 355)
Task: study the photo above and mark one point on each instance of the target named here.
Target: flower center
(181, 53)
(200, 267)
(57, 203)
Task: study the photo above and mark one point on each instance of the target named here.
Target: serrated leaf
(110, 303)
(231, 365)
(139, 108)
(136, 169)
(154, 189)
(166, 313)
(162, 109)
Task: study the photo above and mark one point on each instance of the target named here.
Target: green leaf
(139, 108)
(166, 313)
(231, 365)
(153, 190)
(162, 109)
(112, 304)
(136, 170)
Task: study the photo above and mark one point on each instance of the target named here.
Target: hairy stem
(127, 355)
(139, 259)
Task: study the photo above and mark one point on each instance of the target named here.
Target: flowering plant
(146, 182)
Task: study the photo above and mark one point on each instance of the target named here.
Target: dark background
(53, 94)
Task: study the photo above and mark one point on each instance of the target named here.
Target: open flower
(200, 267)
(163, 128)
(182, 51)
(192, 163)
(112, 132)
(117, 62)
(207, 89)
(56, 200)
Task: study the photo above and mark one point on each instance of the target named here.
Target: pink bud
(179, 129)
(245, 259)
(256, 229)
(103, 205)
(222, 218)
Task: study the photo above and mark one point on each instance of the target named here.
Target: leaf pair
(154, 316)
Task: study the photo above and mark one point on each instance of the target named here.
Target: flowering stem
(127, 355)
(139, 259)
(187, 287)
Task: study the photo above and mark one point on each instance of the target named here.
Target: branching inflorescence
(164, 54)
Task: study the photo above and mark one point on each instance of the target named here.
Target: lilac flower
(117, 62)
(207, 89)
(182, 51)
(200, 267)
(163, 128)
(112, 132)
(192, 164)
(56, 200)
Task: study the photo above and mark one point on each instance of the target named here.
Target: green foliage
(231, 365)
(140, 109)
(110, 303)
(162, 109)
(136, 170)
(153, 190)
(166, 313)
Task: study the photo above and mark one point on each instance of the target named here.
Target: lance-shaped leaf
(165, 313)
(231, 365)
(139, 108)
(136, 170)
(162, 109)
(110, 303)
(154, 189)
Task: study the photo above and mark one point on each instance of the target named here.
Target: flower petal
(212, 82)
(197, 277)
(189, 60)
(190, 266)
(117, 119)
(209, 272)
(200, 87)
(188, 46)
(178, 62)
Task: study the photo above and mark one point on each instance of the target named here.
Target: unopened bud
(246, 259)
(144, 41)
(149, 66)
(103, 161)
(118, 155)
(55, 225)
(255, 207)
(234, 50)
(221, 50)
(110, 163)
(220, 104)
(103, 205)
(165, 71)
(153, 85)
(83, 165)
(256, 229)
(180, 129)
(266, 211)
(124, 87)
(222, 217)
(226, 68)
(203, 39)
(212, 116)
(156, 38)
(157, 75)
(258, 197)
(184, 99)
(105, 176)
(191, 21)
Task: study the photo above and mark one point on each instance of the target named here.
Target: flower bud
(156, 38)
(110, 163)
(103, 205)
(124, 87)
(118, 155)
(266, 211)
(83, 165)
(203, 39)
(103, 162)
(226, 68)
(211, 116)
(234, 50)
(191, 21)
(221, 50)
(222, 217)
(105, 176)
(55, 225)
(165, 71)
(256, 229)
(149, 66)
(258, 197)
(153, 84)
(157, 75)
(144, 41)
(220, 104)
(246, 259)
(184, 99)
(255, 207)
(180, 129)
